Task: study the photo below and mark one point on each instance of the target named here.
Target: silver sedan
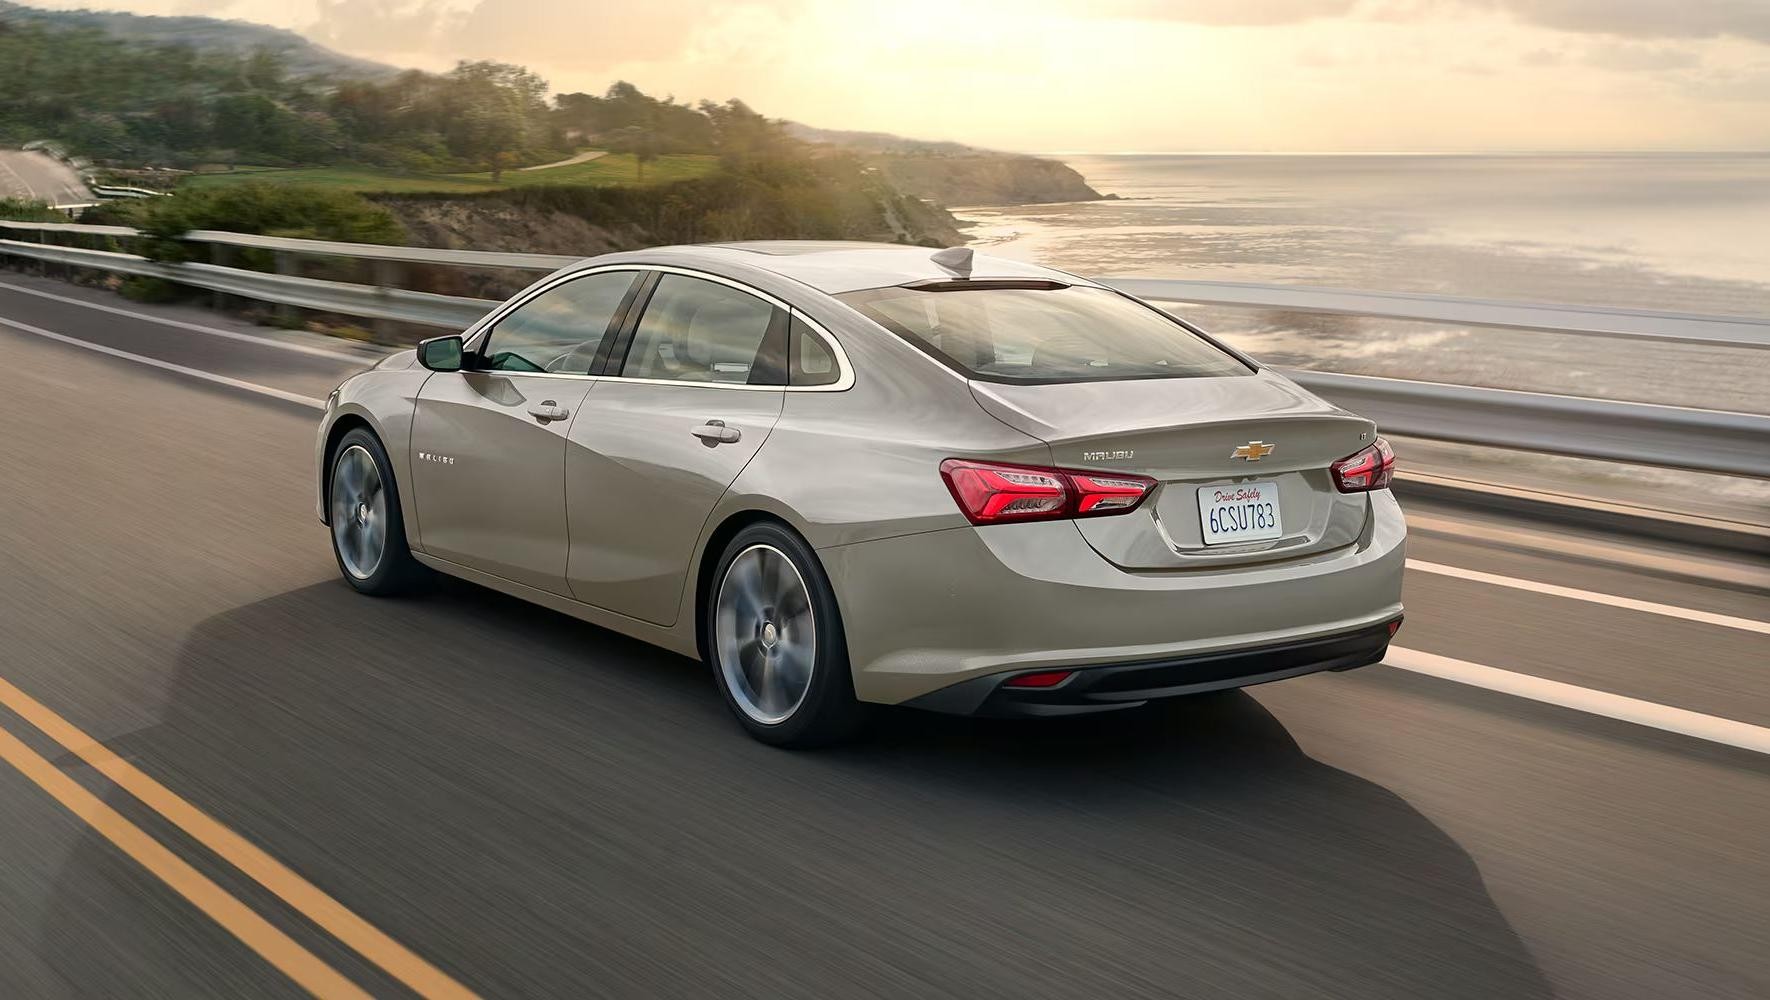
(856, 474)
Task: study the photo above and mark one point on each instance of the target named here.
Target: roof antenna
(955, 259)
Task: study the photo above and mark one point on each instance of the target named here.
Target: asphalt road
(537, 807)
(27, 175)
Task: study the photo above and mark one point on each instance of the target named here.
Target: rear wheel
(368, 529)
(775, 642)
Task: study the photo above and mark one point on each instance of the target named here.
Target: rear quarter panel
(864, 463)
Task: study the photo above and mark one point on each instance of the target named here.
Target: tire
(368, 527)
(774, 642)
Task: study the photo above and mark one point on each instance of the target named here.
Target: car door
(690, 394)
(488, 442)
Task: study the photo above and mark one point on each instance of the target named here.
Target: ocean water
(1686, 233)
(1681, 232)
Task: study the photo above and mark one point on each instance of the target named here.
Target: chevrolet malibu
(856, 474)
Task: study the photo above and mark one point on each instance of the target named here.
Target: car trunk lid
(1259, 432)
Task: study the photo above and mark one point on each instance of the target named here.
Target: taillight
(1370, 469)
(991, 493)
(1108, 494)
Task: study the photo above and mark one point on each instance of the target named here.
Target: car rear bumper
(1127, 685)
(928, 611)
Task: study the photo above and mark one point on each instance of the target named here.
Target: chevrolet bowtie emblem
(1253, 451)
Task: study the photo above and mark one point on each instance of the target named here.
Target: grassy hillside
(359, 179)
(615, 168)
(619, 169)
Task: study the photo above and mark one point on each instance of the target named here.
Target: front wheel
(368, 527)
(775, 642)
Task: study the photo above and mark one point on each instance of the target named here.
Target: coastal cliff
(983, 178)
(952, 173)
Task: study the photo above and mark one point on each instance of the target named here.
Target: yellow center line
(366, 939)
(235, 917)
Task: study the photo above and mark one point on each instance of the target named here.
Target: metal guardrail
(1674, 437)
(1600, 321)
(69, 227)
(374, 251)
(1642, 324)
(1637, 433)
(327, 248)
(124, 191)
(429, 309)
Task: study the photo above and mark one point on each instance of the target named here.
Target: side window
(558, 330)
(812, 361)
(703, 331)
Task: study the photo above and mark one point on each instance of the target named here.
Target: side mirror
(441, 354)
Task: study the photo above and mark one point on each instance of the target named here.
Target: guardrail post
(286, 265)
(220, 255)
(386, 274)
(42, 266)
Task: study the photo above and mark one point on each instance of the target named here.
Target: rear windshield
(1044, 335)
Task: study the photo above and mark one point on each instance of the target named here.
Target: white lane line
(1611, 706)
(1592, 596)
(263, 390)
(1702, 570)
(318, 352)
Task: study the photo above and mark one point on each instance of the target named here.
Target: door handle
(549, 410)
(715, 432)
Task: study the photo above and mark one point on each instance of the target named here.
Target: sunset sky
(1123, 75)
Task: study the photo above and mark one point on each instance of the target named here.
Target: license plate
(1245, 512)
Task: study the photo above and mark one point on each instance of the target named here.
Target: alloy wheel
(359, 512)
(765, 634)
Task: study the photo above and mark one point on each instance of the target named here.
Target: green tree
(263, 70)
(741, 136)
(639, 140)
(676, 128)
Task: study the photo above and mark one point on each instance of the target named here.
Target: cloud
(1749, 85)
(1642, 18)
(1748, 19)
(1222, 12)
(1629, 58)
(378, 27)
(585, 36)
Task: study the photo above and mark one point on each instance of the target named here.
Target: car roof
(834, 267)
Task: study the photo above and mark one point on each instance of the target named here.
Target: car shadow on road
(542, 807)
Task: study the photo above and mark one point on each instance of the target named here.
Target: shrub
(266, 210)
(152, 290)
(18, 210)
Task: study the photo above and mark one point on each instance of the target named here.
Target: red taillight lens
(1042, 679)
(1108, 494)
(991, 493)
(1370, 469)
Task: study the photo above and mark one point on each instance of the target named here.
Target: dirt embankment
(493, 224)
(516, 223)
(585, 224)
